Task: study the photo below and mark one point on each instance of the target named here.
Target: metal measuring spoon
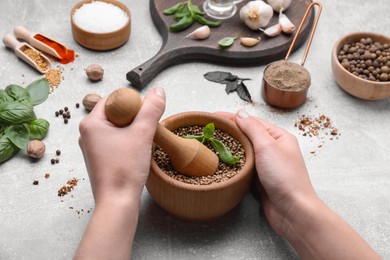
(294, 97)
(24, 34)
(11, 42)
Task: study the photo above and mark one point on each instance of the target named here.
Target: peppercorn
(61, 111)
(35, 182)
(57, 160)
(66, 109)
(77, 105)
(53, 161)
(66, 120)
(58, 152)
(57, 113)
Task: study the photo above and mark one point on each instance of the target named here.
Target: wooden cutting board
(177, 49)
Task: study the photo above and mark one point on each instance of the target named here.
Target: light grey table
(351, 174)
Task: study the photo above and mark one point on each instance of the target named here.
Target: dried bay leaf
(243, 92)
(218, 76)
(231, 86)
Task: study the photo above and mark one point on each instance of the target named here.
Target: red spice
(65, 54)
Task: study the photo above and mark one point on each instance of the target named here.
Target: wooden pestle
(188, 156)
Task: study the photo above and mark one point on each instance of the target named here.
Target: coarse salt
(100, 17)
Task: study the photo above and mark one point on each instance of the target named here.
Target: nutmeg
(90, 101)
(95, 72)
(36, 149)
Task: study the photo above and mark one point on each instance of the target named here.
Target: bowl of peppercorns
(361, 65)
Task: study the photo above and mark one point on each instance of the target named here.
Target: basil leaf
(7, 149)
(181, 13)
(195, 9)
(4, 97)
(16, 113)
(2, 128)
(218, 76)
(39, 91)
(197, 137)
(17, 92)
(38, 128)
(173, 9)
(227, 42)
(243, 92)
(224, 153)
(231, 86)
(18, 134)
(208, 131)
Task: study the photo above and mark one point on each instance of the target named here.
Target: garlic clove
(287, 25)
(277, 5)
(201, 33)
(249, 42)
(256, 14)
(272, 31)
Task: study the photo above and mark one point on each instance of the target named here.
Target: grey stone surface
(351, 174)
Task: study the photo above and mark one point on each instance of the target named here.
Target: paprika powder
(66, 55)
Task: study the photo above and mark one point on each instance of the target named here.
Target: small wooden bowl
(202, 202)
(101, 41)
(354, 85)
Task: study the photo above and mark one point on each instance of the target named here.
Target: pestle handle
(22, 33)
(11, 42)
(188, 156)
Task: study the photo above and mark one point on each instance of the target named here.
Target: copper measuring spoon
(11, 42)
(24, 34)
(290, 98)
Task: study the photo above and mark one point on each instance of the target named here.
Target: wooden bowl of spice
(361, 65)
(100, 24)
(202, 198)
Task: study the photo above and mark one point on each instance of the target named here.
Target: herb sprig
(208, 136)
(233, 83)
(186, 13)
(18, 122)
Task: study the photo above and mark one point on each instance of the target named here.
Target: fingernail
(242, 114)
(160, 92)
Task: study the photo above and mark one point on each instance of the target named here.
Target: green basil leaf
(194, 9)
(224, 153)
(7, 149)
(197, 137)
(38, 128)
(2, 128)
(15, 113)
(227, 42)
(18, 134)
(181, 13)
(4, 97)
(208, 131)
(39, 91)
(173, 9)
(18, 93)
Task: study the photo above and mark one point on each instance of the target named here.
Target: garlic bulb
(272, 31)
(287, 25)
(278, 5)
(256, 14)
(200, 33)
(249, 42)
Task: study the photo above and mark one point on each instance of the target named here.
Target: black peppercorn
(66, 120)
(58, 152)
(53, 161)
(66, 108)
(57, 113)
(77, 105)
(57, 160)
(61, 111)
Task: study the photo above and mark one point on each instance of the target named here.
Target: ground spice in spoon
(65, 54)
(287, 76)
(36, 57)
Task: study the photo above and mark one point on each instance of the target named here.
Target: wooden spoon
(11, 42)
(24, 34)
(188, 156)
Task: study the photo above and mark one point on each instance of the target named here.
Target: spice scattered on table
(35, 182)
(54, 76)
(70, 184)
(36, 57)
(47, 175)
(366, 59)
(233, 83)
(319, 126)
(65, 113)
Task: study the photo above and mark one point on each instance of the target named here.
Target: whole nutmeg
(90, 101)
(36, 149)
(95, 72)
